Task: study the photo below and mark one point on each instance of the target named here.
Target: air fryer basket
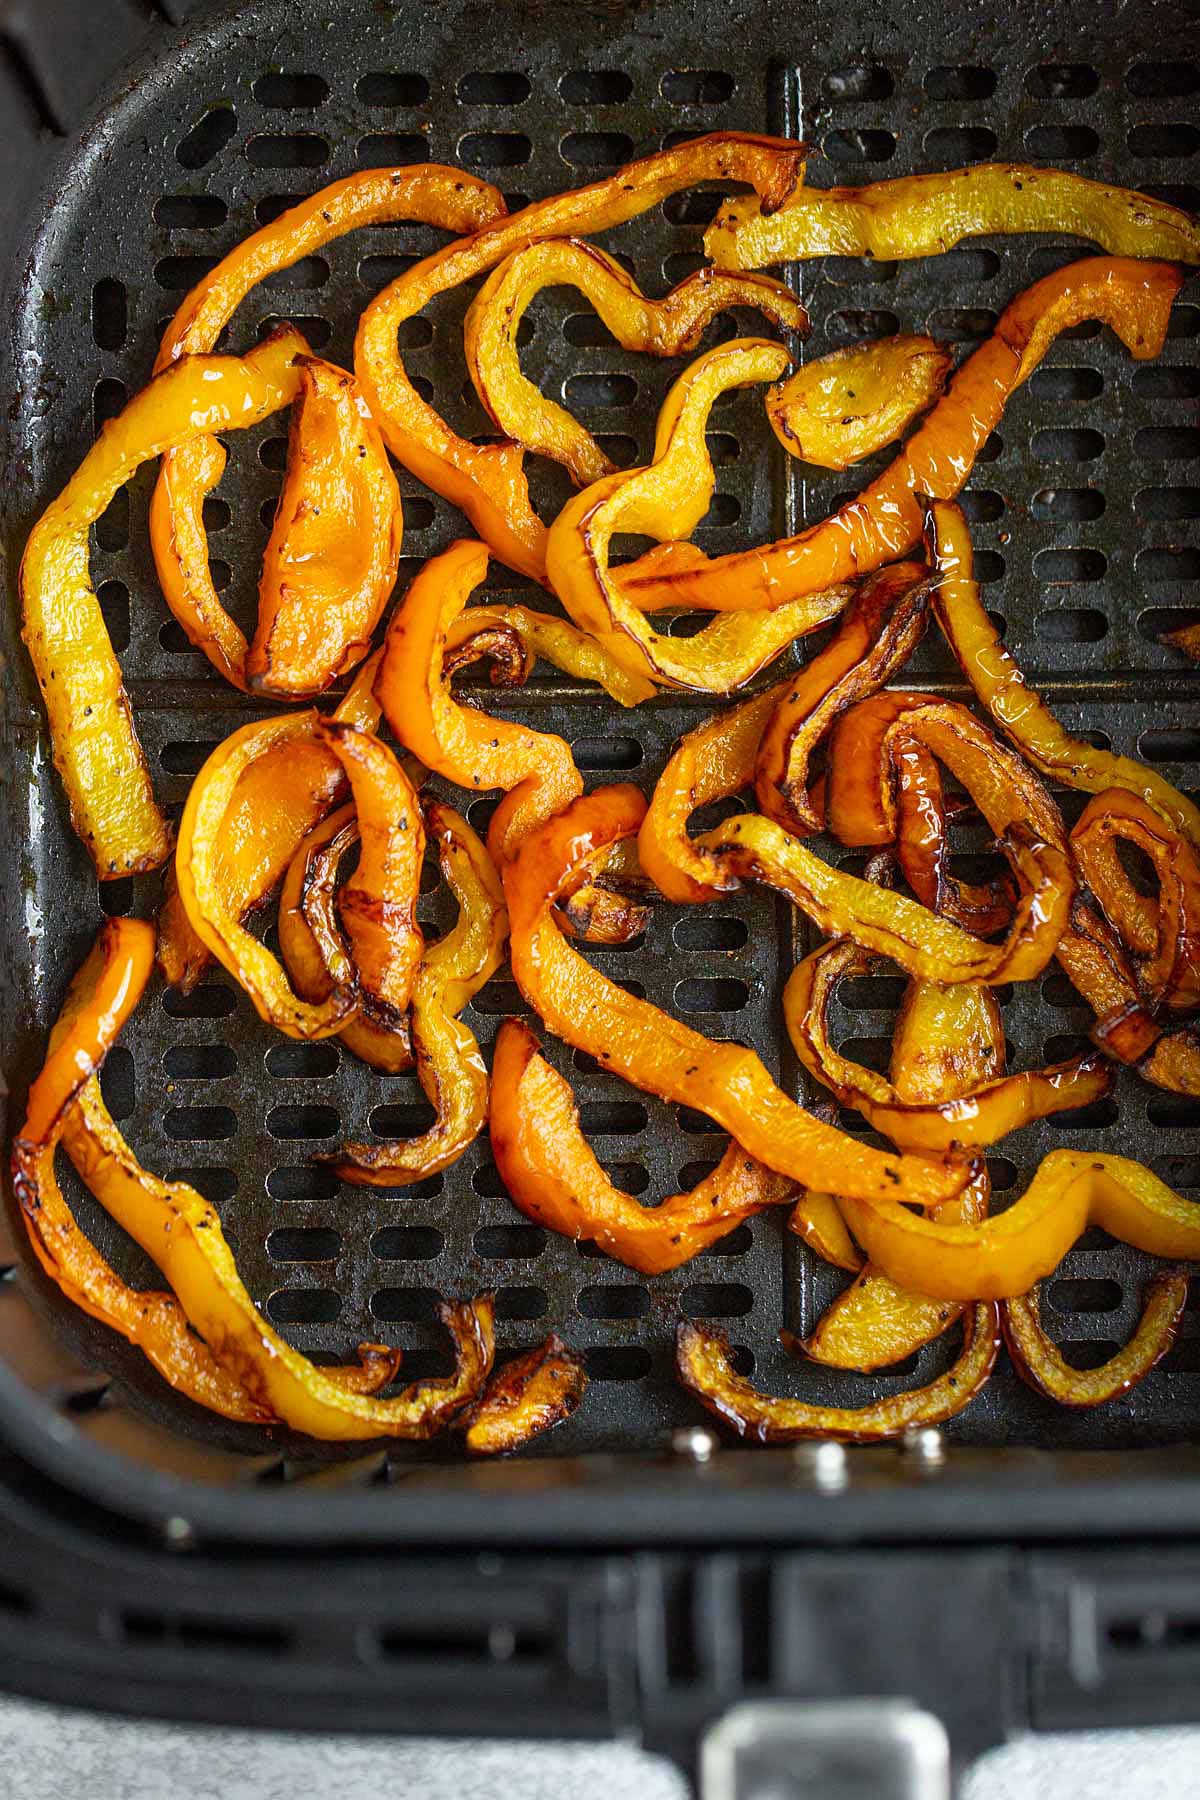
(1084, 509)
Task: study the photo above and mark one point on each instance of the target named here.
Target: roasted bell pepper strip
(1095, 960)
(666, 327)
(1038, 1359)
(885, 520)
(815, 1219)
(554, 1178)
(330, 562)
(704, 1365)
(845, 406)
(526, 1397)
(488, 481)
(1019, 711)
(514, 637)
(1185, 638)
(449, 1065)
(204, 893)
(875, 637)
(666, 500)
(96, 748)
(943, 1019)
(378, 905)
(1162, 934)
(926, 215)
(654, 1051)
(430, 194)
(279, 797)
(1174, 1062)
(310, 936)
(1007, 1253)
(923, 848)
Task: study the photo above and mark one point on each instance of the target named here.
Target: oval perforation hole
(199, 1122)
(514, 1304)
(696, 87)
(310, 1121)
(1062, 81)
(509, 1243)
(304, 1306)
(1071, 625)
(596, 149)
(211, 1001)
(595, 87)
(391, 149)
(297, 1061)
(308, 272)
(700, 931)
(1162, 564)
(302, 1181)
(724, 510)
(482, 87)
(207, 138)
(304, 1244)
(859, 81)
(407, 1243)
(617, 1362)
(1166, 383)
(200, 1062)
(853, 324)
(191, 212)
(110, 313)
(712, 994)
(216, 1185)
(1175, 744)
(173, 272)
(392, 87)
(495, 149)
(1072, 505)
(298, 92)
(1061, 143)
(1084, 1295)
(955, 144)
(961, 324)
(1097, 1116)
(613, 1301)
(186, 756)
(1079, 445)
(963, 81)
(287, 150)
(118, 1082)
(599, 390)
(1066, 384)
(716, 1300)
(1167, 443)
(607, 753)
(1163, 80)
(377, 271)
(859, 146)
(114, 610)
(1165, 140)
(613, 1118)
(1069, 565)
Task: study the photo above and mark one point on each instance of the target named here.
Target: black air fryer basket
(630, 1574)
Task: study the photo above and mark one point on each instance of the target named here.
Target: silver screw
(925, 1445)
(696, 1442)
(827, 1463)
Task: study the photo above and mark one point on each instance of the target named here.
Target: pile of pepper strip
(333, 810)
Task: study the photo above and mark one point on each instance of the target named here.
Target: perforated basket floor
(1084, 507)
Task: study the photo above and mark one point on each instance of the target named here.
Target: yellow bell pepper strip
(310, 937)
(1174, 1062)
(1006, 1254)
(1015, 707)
(553, 1177)
(666, 327)
(923, 848)
(330, 562)
(429, 194)
(487, 482)
(526, 1397)
(1162, 934)
(815, 1219)
(1040, 1362)
(926, 215)
(666, 500)
(646, 1046)
(885, 520)
(204, 895)
(513, 638)
(845, 406)
(449, 1065)
(876, 635)
(378, 905)
(704, 1365)
(937, 1038)
(96, 749)
(279, 797)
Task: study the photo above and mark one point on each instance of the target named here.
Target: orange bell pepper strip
(666, 327)
(923, 848)
(1095, 960)
(279, 797)
(654, 1051)
(429, 194)
(926, 215)
(1174, 1062)
(514, 637)
(876, 635)
(1006, 1254)
(449, 1065)
(1040, 1362)
(311, 940)
(204, 893)
(95, 744)
(666, 500)
(487, 482)
(330, 562)
(935, 1021)
(885, 520)
(843, 407)
(529, 1395)
(1162, 934)
(704, 1366)
(553, 1177)
(1015, 707)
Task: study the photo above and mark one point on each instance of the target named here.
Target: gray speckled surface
(60, 1752)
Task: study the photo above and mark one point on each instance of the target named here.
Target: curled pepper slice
(554, 1178)
(923, 848)
(488, 481)
(1094, 958)
(654, 1051)
(449, 1064)
(704, 1365)
(875, 637)
(1038, 1359)
(667, 499)
(1163, 933)
(665, 327)
(95, 743)
(528, 1396)
(330, 562)
(279, 796)
(885, 520)
(514, 637)
(205, 896)
(926, 215)
(430, 194)
(934, 1021)
(1019, 711)
(847, 405)
(1007, 1253)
